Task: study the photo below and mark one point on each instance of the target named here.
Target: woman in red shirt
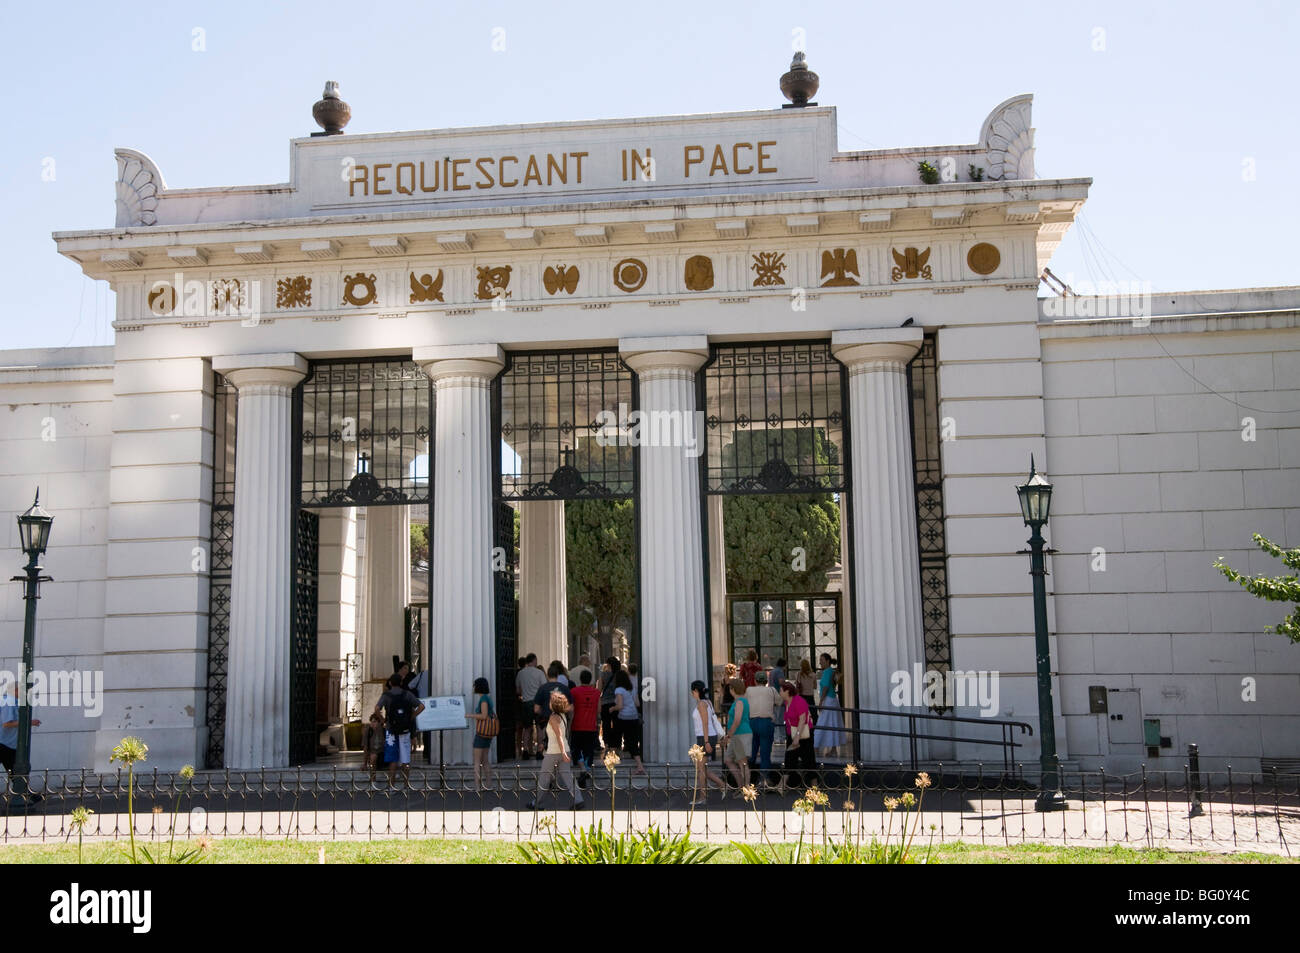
(749, 668)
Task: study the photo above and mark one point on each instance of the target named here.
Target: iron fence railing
(919, 726)
(1217, 810)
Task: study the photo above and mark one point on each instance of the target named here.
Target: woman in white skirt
(830, 720)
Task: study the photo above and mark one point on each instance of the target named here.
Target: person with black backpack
(400, 708)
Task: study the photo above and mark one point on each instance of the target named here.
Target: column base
(1051, 801)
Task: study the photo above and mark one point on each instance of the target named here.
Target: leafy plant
(976, 174)
(851, 850)
(1274, 588)
(190, 855)
(78, 819)
(595, 845)
(130, 750)
(929, 174)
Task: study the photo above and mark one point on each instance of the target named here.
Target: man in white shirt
(762, 704)
(584, 665)
(527, 682)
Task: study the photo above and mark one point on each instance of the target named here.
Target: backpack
(398, 709)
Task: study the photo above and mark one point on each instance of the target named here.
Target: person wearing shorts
(400, 710)
(481, 713)
(738, 732)
(707, 732)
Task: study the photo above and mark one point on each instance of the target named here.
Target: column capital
(876, 346)
(279, 372)
(682, 354)
(480, 361)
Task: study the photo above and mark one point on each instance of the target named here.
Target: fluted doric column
(461, 600)
(673, 611)
(886, 565)
(543, 590)
(257, 681)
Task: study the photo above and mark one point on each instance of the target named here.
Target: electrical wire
(1090, 243)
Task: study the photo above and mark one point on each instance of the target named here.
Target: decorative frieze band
(386, 283)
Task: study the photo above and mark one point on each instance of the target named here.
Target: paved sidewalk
(340, 803)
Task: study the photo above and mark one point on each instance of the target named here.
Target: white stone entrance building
(1169, 430)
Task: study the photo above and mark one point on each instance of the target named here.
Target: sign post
(442, 713)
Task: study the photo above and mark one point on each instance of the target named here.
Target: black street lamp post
(1035, 503)
(34, 535)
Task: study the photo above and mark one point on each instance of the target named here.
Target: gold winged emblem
(840, 263)
(911, 264)
(426, 288)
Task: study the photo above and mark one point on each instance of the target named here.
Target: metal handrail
(1006, 730)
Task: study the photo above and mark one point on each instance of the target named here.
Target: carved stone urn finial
(800, 84)
(330, 112)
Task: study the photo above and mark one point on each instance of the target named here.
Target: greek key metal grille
(926, 443)
(564, 424)
(774, 419)
(365, 433)
(221, 549)
(302, 660)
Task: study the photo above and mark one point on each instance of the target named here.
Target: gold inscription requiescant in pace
(983, 258)
(426, 288)
(293, 292)
(359, 289)
(699, 273)
(162, 299)
(630, 274)
(492, 283)
(564, 276)
(839, 264)
(911, 264)
(700, 163)
(768, 266)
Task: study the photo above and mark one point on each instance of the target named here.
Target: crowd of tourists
(568, 718)
(761, 706)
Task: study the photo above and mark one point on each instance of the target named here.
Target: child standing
(372, 742)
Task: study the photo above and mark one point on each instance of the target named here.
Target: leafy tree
(419, 543)
(1273, 588)
(804, 449)
(600, 554)
(762, 531)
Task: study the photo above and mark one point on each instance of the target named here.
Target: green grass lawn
(236, 850)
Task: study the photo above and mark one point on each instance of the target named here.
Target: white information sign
(446, 713)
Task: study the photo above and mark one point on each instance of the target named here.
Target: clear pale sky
(1184, 114)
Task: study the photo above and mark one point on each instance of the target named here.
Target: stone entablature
(778, 267)
(1043, 209)
(636, 159)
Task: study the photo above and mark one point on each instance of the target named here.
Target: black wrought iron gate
(503, 581)
(302, 652)
(551, 409)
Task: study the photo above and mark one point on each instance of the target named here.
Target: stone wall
(1169, 445)
(56, 410)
